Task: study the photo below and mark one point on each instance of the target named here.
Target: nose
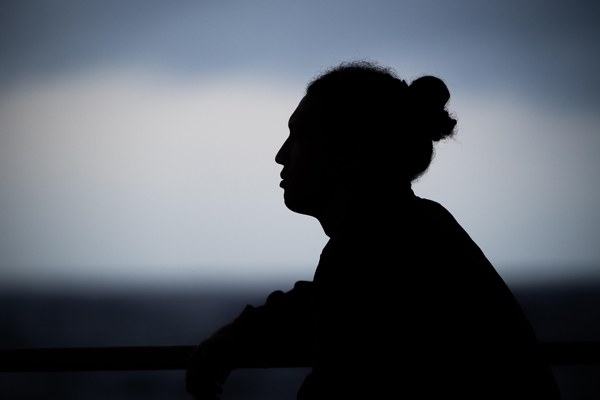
(281, 156)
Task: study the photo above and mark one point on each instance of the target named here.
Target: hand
(207, 370)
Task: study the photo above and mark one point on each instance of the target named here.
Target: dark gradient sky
(546, 49)
(137, 138)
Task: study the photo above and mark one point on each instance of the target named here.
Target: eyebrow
(292, 121)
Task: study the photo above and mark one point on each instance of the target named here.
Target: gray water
(184, 318)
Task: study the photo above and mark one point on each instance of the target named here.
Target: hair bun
(429, 96)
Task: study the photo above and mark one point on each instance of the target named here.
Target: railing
(175, 358)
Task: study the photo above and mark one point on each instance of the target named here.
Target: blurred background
(137, 139)
(137, 145)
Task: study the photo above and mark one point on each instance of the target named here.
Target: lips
(284, 180)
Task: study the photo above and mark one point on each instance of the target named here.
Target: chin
(297, 205)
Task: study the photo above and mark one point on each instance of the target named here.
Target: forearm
(274, 334)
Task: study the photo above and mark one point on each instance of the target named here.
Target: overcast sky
(137, 139)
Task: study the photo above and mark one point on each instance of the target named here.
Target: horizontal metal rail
(94, 359)
(175, 357)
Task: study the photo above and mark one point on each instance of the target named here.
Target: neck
(337, 210)
(333, 214)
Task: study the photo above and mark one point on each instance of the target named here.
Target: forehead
(306, 114)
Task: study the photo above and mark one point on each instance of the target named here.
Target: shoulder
(429, 210)
(440, 227)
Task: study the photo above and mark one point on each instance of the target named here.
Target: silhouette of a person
(403, 302)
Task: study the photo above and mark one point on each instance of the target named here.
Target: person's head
(357, 127)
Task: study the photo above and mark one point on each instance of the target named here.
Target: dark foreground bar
(103, 359)
(94, 359)
(175, 357)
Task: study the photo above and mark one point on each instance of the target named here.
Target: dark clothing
(403, 303)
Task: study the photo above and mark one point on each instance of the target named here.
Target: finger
(222, 375)
(205, 391)
(202, 382)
